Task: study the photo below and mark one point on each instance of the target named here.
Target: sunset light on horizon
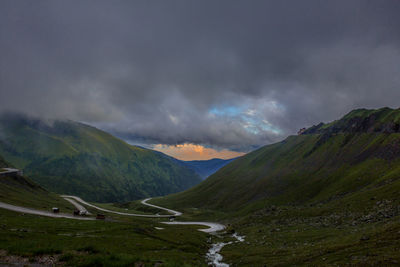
(195, 152)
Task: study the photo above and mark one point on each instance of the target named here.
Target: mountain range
(325, 197)
(73, 158)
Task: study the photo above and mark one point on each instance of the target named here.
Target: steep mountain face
(357, 156)
(205, 168)
(74, 158)
(385, 120)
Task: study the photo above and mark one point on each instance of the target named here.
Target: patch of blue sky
(251, 120)
(256, 126)
(229, 111)
(268, 127)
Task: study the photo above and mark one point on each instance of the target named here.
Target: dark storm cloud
(228, 74)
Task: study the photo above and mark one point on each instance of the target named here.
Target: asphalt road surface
(174, 213)
(42, 213)
(213, 227)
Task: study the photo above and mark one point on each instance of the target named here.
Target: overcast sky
(225, 75)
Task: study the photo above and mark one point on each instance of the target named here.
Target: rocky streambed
(213, 256)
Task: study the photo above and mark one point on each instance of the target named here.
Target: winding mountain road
(174, 212)
(144, 202)
(42, 213)
(212, 227)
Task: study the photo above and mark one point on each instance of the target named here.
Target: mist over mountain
(224, 75)
(74, 158)
(200, 133)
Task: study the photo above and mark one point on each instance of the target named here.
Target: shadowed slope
(353, 156)
(74, 158)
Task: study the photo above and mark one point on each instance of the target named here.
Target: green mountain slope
(354, 155)
(74, 158)
(21, 191)
(328, 197)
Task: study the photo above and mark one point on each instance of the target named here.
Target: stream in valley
(213, 256)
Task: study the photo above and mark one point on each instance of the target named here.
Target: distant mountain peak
(383, 120)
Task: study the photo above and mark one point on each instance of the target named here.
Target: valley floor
(100, 243)
(359, 229)
(275, 236)
(35, 243)
(339, 233)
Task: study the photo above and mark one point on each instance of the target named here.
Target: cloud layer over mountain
(224, 74)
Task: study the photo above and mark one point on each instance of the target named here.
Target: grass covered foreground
(356, 230)
(116, 241)
(99, 243)
(317, 236)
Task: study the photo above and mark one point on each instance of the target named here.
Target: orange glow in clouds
(195, 152)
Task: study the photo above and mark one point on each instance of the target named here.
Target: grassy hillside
(42, 241)
(314, 167)
(324, 198)
(74, 158)
(21, 191)
(27, 240)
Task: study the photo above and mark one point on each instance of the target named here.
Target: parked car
(55, 210)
